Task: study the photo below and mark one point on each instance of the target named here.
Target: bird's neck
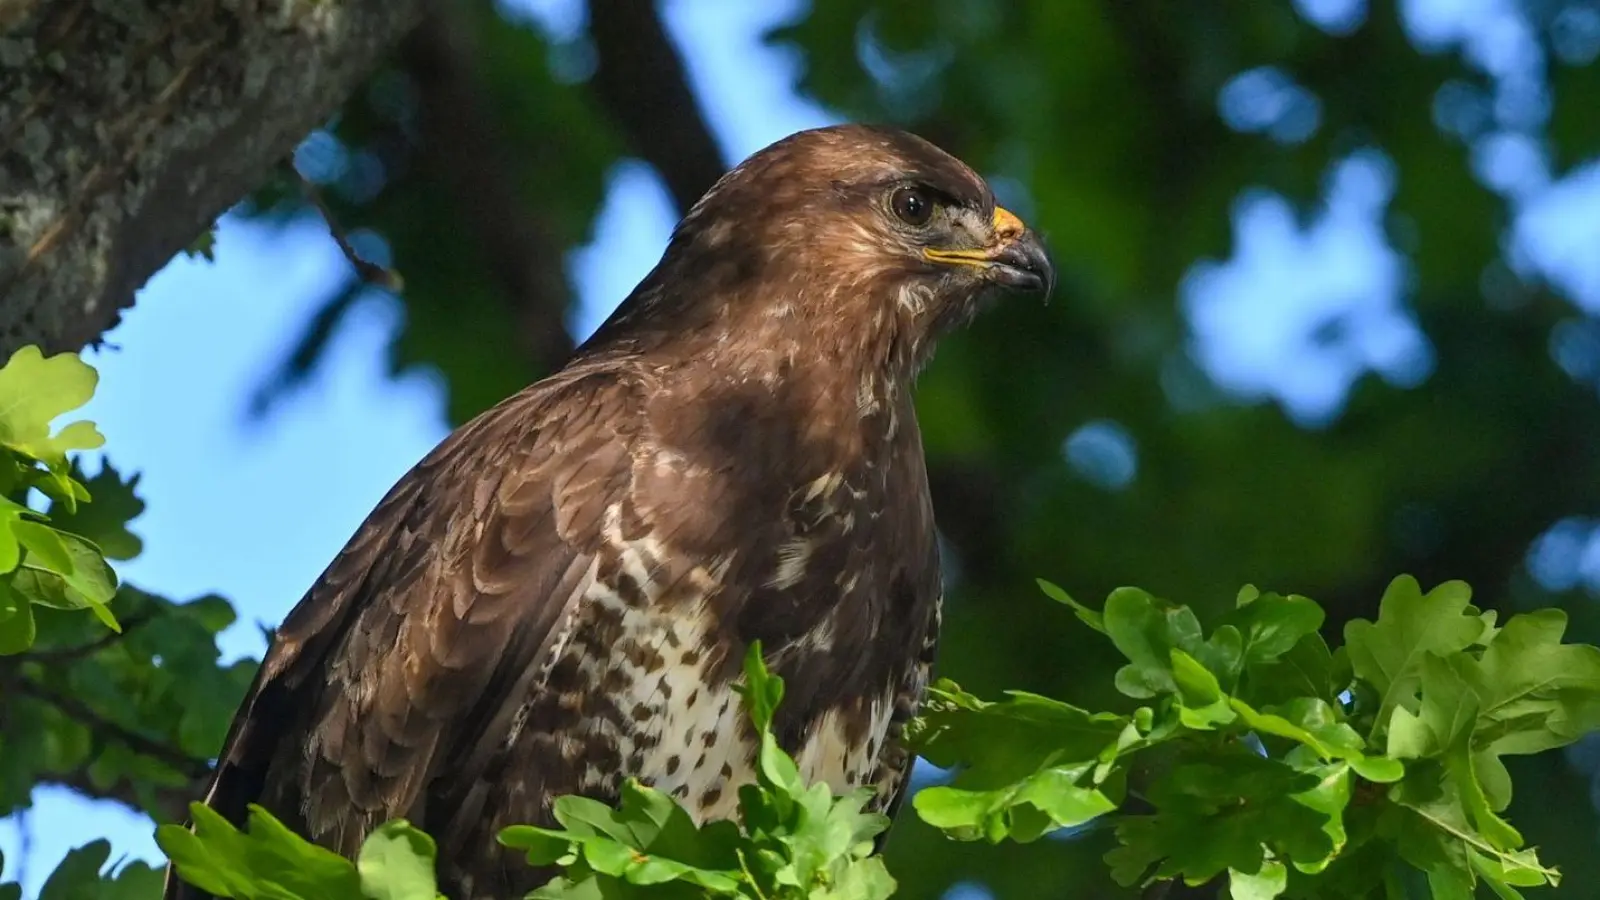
(851, 374)
(844, 405)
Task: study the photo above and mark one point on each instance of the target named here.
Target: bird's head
(842, 235)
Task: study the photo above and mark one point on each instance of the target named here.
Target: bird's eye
(912, 205)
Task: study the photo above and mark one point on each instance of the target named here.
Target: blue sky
(254, 511)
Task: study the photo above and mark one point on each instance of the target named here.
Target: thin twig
(370, 272)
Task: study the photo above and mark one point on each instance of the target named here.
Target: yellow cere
(1006, 223)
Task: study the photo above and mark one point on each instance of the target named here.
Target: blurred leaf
(1264, 884)
(17, 629)
(80, 876)
(1085, 615)
(104, 520)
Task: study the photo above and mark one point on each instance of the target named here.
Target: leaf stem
(745, 868)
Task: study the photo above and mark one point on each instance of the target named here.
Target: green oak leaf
(1221, 809)
(1027, 764)
(1272, 624)
(1090, 617)
(1136, 626)
(82, 875)
(77, 876)
(266, 861)
(1388, 653)
(13, 516)
(105, 519)
(827, 833)
(1146, 630)
(1432, 826)
(761, 690)
(1271, 880)
(647, 839)
(1047, 800)
(1330, 798)
(396, 862)
(87, 581)
(34, 391)
(1534, 692)
(862, 879)
(1205, 706)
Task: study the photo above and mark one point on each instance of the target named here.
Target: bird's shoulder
(430, 615)
(462, 525)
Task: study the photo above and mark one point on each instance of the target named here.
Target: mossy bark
(128, 126)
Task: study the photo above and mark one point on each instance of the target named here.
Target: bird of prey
(560, 595)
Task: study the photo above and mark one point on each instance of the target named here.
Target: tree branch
(59, 655)
(641, 81)
(369, 272)
(101, 727)
(128, 128)
(462, 149)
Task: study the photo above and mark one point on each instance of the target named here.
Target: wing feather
(412, 653)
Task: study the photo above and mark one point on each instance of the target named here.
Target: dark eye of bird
(912, 205)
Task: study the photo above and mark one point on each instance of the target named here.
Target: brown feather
(559, 595)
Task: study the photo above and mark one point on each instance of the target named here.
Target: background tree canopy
(1329, 275)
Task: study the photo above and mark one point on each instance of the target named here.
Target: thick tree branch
(641, 81)
(126, 129)
(461, 148)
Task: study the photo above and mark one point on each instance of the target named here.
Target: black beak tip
(1024, 266)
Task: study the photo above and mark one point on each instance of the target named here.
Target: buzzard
(559, 596)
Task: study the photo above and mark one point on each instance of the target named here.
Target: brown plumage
(560, 594)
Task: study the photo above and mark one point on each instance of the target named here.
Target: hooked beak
(1015, 259)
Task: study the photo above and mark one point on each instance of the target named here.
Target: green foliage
(204, 246)
(82, 875)
(1116, 151)
(267, 861)
(34, 391)
(41, 564)
(1452, 461)
(1264, 756)
(792, 841)
(132, 713)
(104, 521)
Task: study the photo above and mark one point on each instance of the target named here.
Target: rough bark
(127, 127)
